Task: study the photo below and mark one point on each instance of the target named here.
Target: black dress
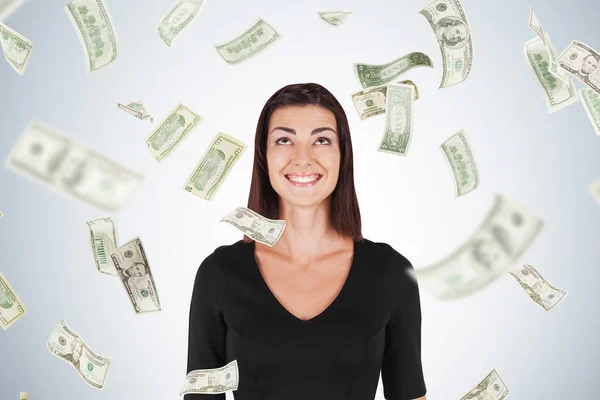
(373, 325)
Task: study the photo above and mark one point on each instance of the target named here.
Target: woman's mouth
(303, 180)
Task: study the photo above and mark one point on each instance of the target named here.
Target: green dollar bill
(104, 241)
(398, 119)
(178, 19)
(249, 43)
(214, 166)
(213, 381)
(376, 75)
(335, 18)
(591, 103)
(537, 288)
(583, 62)
(137, 109)
(460, 158)
(490, 388)
(17, 48)
(171, 131)
(11, 307)
(259, 228)
(553, 68)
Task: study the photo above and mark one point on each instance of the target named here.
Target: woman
(323, 311)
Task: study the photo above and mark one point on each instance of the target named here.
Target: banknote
(57, 162)
(449, 22)
(508, 230)
(371, 102)
(217, 380)
(591, 104)
(537, 288)
(461, 161)
(171, 131)
(398, 119)
(255, 226)
(249, 43)
(557, 94)
(17, 48)
(93, 24)
(134, 270)
(68, 345)
(178, 19)
(137, 109)
(490, 388)
(7, 7)
(23, 396)
(376, 75)
(553, 67)
(214, 166)
(594, 189)
(104, 241)
(335, 18)
(582, 62)
(11, 307)
(409, 82)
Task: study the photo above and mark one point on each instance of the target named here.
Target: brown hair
(344, 210)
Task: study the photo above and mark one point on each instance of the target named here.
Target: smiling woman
(324, 311)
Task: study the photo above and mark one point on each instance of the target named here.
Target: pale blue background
(544, 161)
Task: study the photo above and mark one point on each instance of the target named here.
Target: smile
(303, 180)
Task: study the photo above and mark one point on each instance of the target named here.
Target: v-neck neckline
(251, 247)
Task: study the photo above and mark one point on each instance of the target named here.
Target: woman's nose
(303, 155)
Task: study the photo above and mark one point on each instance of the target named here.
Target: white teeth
(303, 179)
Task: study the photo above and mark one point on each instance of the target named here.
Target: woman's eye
(327, 141)
(278, 141)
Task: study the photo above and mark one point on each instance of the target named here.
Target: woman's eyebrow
(314, 131)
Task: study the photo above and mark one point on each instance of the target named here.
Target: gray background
(544, 161)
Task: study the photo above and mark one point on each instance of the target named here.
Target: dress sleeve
(401, 370)
(207, 329)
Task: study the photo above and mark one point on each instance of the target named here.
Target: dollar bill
(335, 18)
(217, 380)
(490, 388)
(507, 232)
(7, 7)
(55, 161)
(594, 189)
(582, 62)
(93, 24)
(104, 241)
(371, 102)
(171, 131)
(558, 94)
(68, 345)
(249, 43)
(398, 119)
(409, 82)
(449, 22)
(17, 48)
(134, 270)
(553, 67)
(461, 161)
(255, 226)
(11, 307)
(376, 75)
(178, 19)
(214, 166)
(137, 109)
(591, 104)
(537, 288)
(23, 396)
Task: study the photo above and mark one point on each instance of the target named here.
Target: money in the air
(249, 43)
(137, 109)
(537, 288)
(217, 380)
(335, 18)
(104, 241)
(255, 226)
(583, 63)
(461, 160)
(370, 75)
(171, 131)
(11, 307)
(591, 103)
(17, 48)
(179, 17)
(490, 388)
(398, 119)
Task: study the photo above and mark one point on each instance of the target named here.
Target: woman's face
(303, 141)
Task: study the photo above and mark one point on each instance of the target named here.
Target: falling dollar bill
(490, 388)
(461, 161)
(594, 189)
(553, 68)
(255, 226)
(104, 241)
(591, 104)
(409, 82)
(214, 166)
(376, 75)
(537, 288)
(137, 109)
(558, 94)
(134, 270)
(56, 161)
(66, 344)
(23, 396)
(7, 7)
(449, 22)
(93, 24)
(171, 131)
(582, 62)
(217, 380)
(371, 102)
(249, 43)
(11, 307)
(505, 234)
(335, 18)
(398, 119)
(17, 48)
(178, 19)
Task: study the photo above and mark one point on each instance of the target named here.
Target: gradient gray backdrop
(544, 161)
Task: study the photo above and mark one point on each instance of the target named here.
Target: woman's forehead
(302, 115)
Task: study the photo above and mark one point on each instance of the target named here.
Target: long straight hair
(344, 211)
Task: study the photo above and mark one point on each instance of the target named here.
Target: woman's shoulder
(383, 251)
(224, 256)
